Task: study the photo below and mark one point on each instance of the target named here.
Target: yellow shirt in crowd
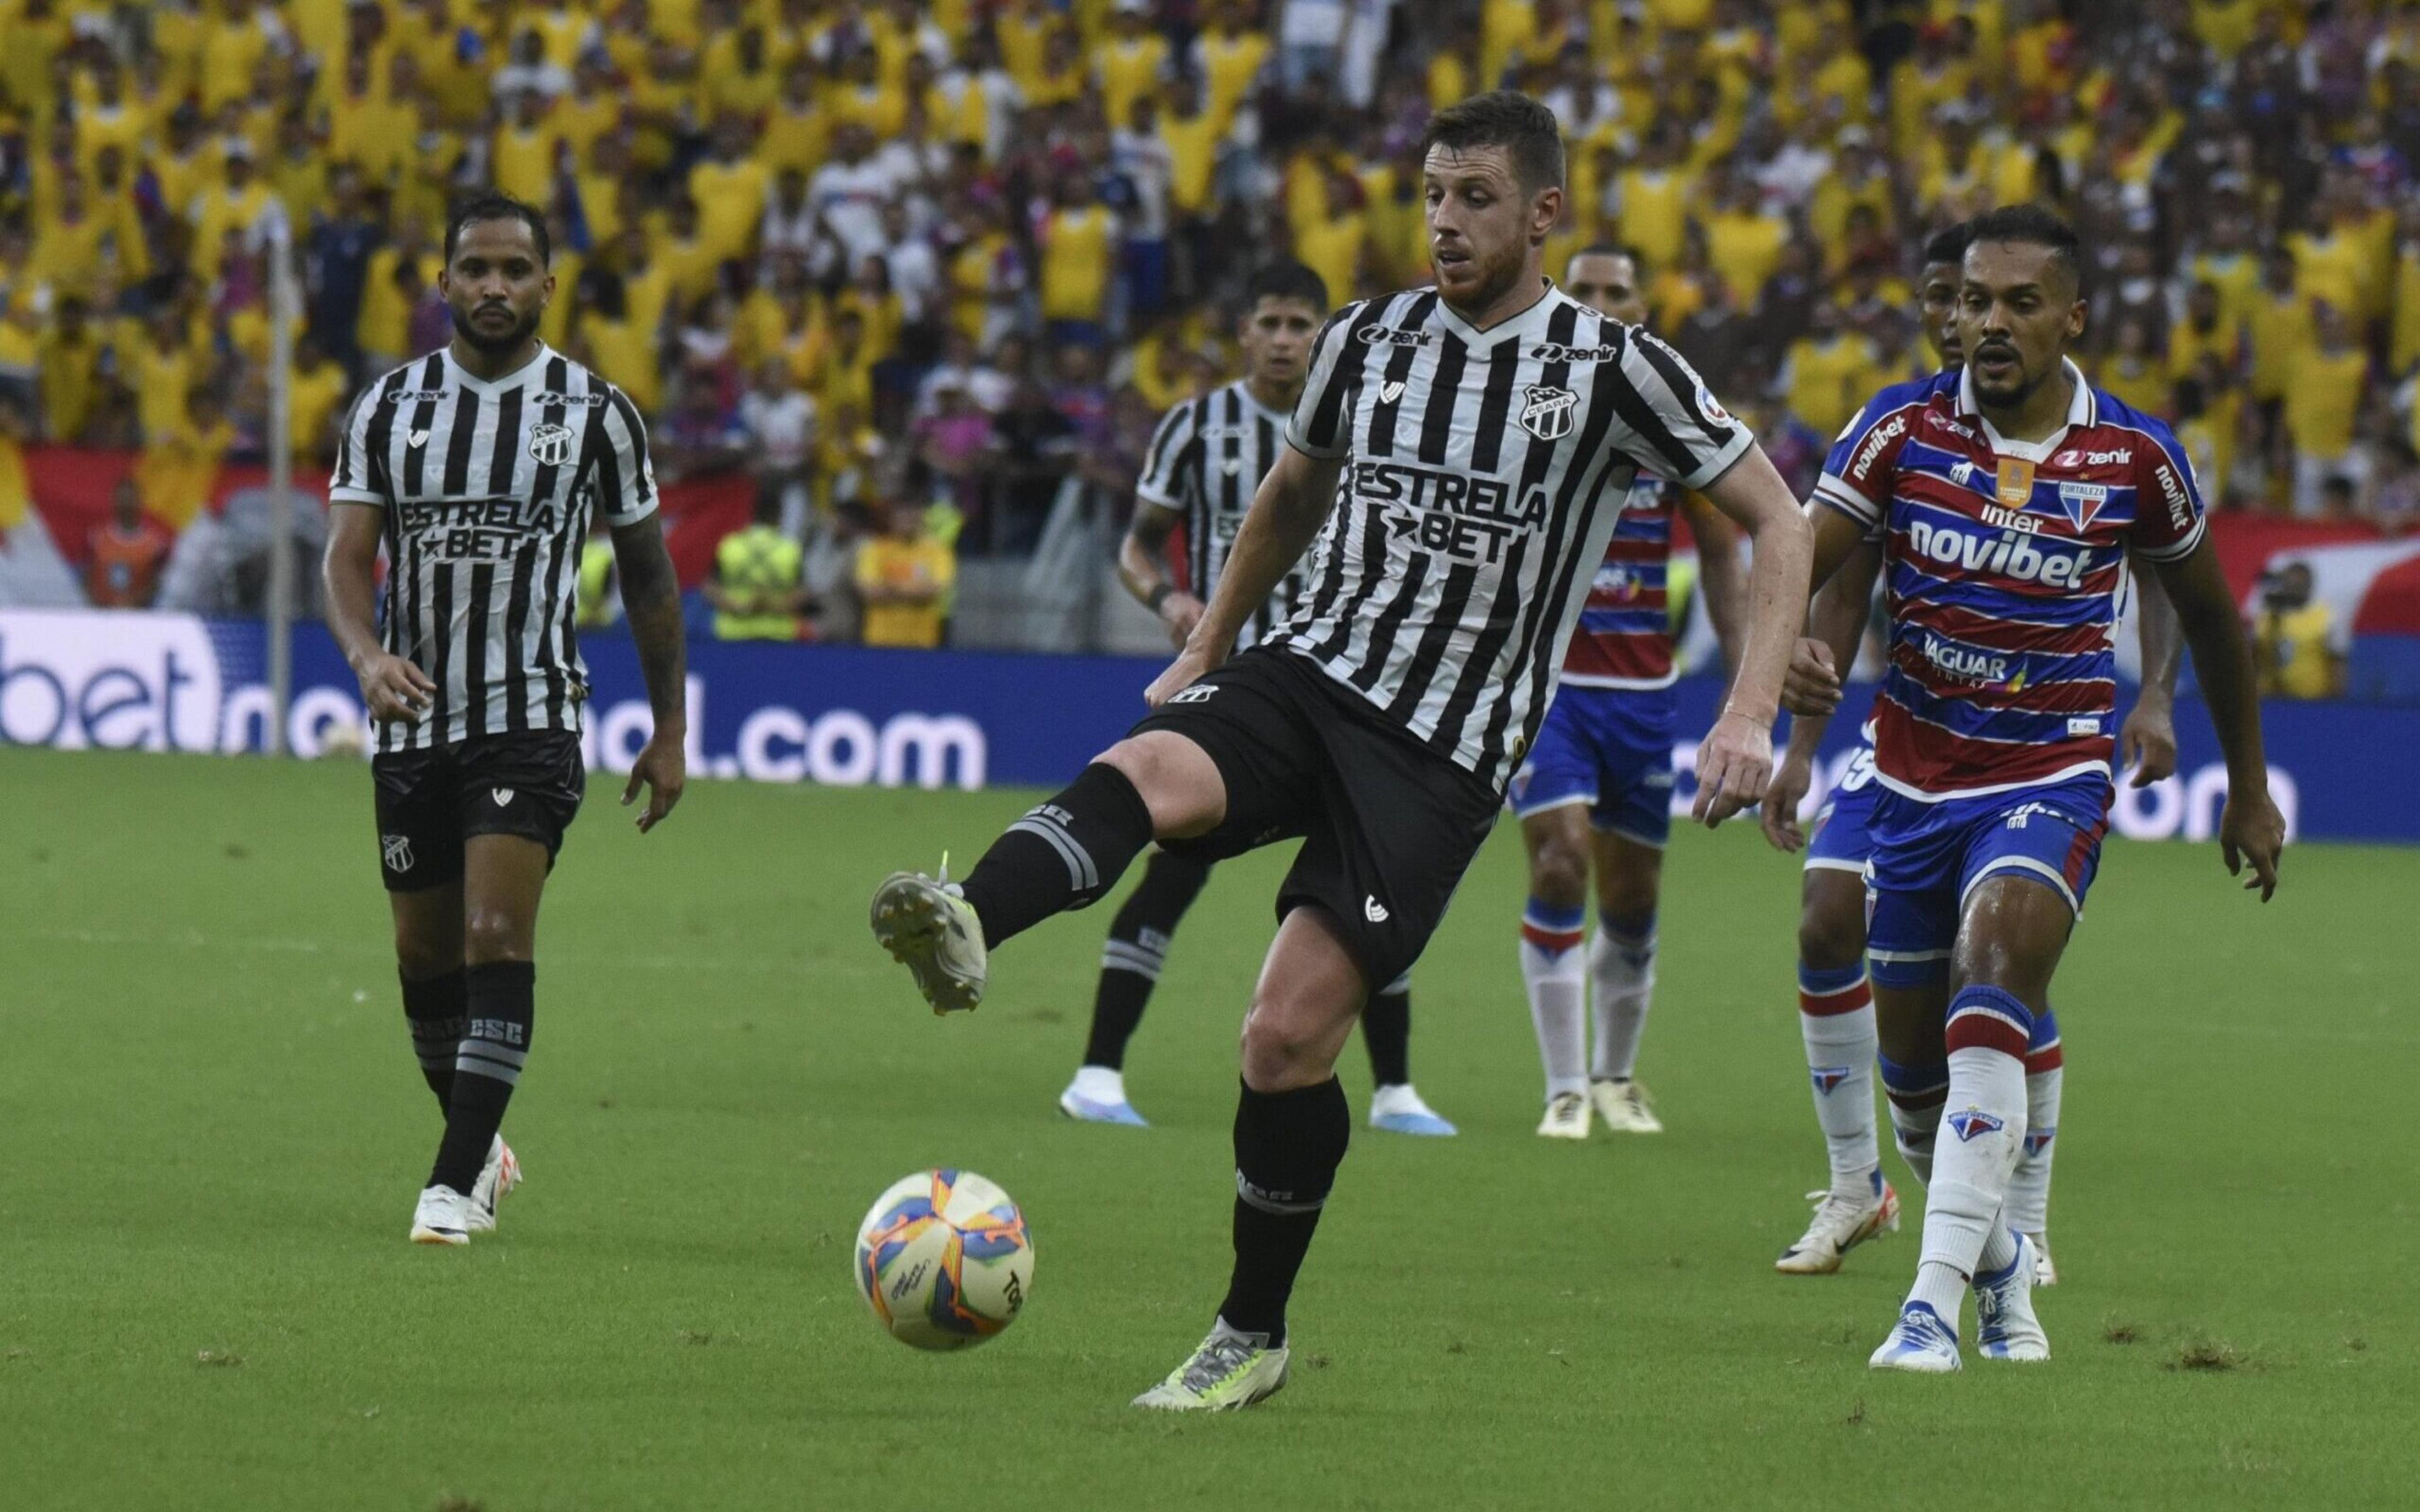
(886, 562)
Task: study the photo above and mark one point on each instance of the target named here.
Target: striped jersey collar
(1243, 388)
(513, 380)
(2083, 411)
(1529, 322)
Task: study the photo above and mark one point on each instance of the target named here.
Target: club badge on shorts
(549, 444)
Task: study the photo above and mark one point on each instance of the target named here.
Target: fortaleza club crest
(1547, 412)
(549, 444)
(1969, 1122)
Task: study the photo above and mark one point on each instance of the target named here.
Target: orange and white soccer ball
(945, 1261)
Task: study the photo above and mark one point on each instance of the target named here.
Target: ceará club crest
(549, 444)
(1547, 412)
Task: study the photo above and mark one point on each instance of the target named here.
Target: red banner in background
(71, 487)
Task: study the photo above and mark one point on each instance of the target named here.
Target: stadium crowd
(914, 265)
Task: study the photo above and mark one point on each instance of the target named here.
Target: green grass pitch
(215, 1131)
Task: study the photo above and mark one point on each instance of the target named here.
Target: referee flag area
(209, 1305)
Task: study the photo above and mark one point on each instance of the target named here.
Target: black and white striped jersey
(1206, 462)
(1483, 474)
(487, 489)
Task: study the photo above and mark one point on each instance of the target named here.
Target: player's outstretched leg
(1130, 967)
(1063, 853)
(1395, 1105)
(1622, 976)
(2029, 1189)
(1836, 1025)
(1292, 1126)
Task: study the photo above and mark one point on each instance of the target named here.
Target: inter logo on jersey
(1971, 1123)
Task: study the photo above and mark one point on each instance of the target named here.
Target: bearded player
(1836, 1015)
(1595, 793)
(2008, 499)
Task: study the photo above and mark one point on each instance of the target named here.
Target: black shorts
(1389, 825)
(430, 801)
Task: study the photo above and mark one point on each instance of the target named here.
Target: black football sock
(1287, 1147)
(1137, 948)
(433, 1009)
(498, 1000)
(1387, 1031)
(1063, 853)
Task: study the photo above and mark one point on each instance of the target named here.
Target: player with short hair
(1835, 1014)
(1598, 784)
(2007, 498)
(476, 469)
(1205, 463)
(1459, 453)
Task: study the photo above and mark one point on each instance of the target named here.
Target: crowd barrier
(848, 716)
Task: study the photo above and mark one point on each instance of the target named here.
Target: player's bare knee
(1176, 780)
(1628, 892)
(421, 954)
(1558, 871)
(1832, 920)
(495, 935)
(1288, 1042)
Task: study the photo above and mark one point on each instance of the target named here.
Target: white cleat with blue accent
(1098, 1095)
(1920, 1342)
(2005, 1325)
(1398, 1109)
(928, 926)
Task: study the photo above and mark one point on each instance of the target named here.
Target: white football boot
(1841, 1223)
(928, 926)
(1230, 1370)
(1567, 1117)
(443, 1217)
(1098, 1095)
(1921, 1342)
(2005, 1325)
(2045, 1274)
(1398, 1109)
(1623, 1107)
(502, 1173)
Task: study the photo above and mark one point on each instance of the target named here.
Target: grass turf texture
(218, 1130)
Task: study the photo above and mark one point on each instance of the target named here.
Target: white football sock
(1622, 967)
(1551, 969)
(1981, 1131)
(1836, 1020)
(2029, 1189)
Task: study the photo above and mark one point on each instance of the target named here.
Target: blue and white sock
(1551, 969)
(1621, 967)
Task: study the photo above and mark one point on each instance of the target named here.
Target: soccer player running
(476, 469)
(1598, 784)
(1459, 453)
(1205, 463)
(2006, 498)
(1836, 1013)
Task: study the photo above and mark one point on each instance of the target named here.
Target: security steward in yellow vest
(755, 590)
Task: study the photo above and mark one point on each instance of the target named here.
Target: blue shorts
(1611, 748)
(1842, 836)
(1928, 856)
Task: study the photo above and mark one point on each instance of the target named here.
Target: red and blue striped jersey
(1624, 635)
(2003, 561)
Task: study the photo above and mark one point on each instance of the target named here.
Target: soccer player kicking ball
(1598, 784)
(1835, 1012)
(1459, 453)
(1205, 463)
(477, 467)
(2006, 498)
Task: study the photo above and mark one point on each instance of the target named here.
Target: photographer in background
(2293, 638)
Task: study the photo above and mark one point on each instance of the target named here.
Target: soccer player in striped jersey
(2007, 498)
(1598, 784)
(1835, 1014)
(476, 469)
(1206, 461)
(1454, 468)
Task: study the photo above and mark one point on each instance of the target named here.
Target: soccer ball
(945, 1261)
